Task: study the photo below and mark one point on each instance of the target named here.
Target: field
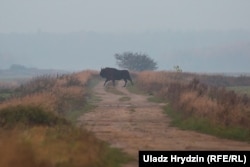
(72, 120)
(197, 103)
(38, 125)
(244, 90)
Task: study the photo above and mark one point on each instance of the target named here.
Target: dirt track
(128, 121)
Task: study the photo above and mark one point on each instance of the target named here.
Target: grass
(91, 97)
(114, 157)
(73, 115)
(124, 98)
(240, 89)
(113, 90)
(59, 146)
(38, 127)
(89, 105)
(5, 93)
(156, 99)
(93, 82)
(197, 106)
(204, 125)
(132, 109)
(134, 89)
(28, 116)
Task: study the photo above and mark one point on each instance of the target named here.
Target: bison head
(102, 72)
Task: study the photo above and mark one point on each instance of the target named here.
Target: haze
(197, 35)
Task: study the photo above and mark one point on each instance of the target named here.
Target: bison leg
(131, 81)
(105, 82)
(125, 83)
(113, 82)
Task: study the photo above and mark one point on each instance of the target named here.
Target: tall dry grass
(191, 97)
(45, 100)
(53, 93)
(50, 145)
(84, 76)
(53, 147)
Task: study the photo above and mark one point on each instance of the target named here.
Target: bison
(114, 74)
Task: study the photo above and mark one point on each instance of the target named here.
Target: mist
(199, 36)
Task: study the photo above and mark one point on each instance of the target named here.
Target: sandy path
(136, 124)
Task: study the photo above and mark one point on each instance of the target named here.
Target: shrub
(28, 116)
(37, 85)
(5, 93)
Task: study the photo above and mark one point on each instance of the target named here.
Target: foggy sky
(116, 26)
(122, 16)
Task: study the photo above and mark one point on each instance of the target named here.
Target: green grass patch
(204, 125)
(73, 115)
(155, 99)
(92, 98)
(93, 82)
(87, 105)
(124, 98)
(132, 109)
(114, 157)
(113, 90)
(5, 93)
(134, 89)
(240, 89)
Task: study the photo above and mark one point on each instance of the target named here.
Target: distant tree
(135, 61)
(177, 68)
(17, 67)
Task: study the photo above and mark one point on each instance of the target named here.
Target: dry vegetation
(52, 93)
(35, 132)
(196, 96)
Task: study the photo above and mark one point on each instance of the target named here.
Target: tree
(177, 68)
(135, 61)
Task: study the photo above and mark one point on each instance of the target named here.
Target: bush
(37, 85)
(5, 93)
(28, 116)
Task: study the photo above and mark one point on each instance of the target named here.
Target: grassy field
(38, 125)
(199, 106)
(38, 118)
(240, 89)
(5, 94)
(205, 125)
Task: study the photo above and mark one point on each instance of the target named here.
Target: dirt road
(130, 122)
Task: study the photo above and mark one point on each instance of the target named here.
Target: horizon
(199, 36)
(206, 51)
(234, 74)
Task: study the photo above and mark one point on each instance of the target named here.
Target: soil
(130, 122)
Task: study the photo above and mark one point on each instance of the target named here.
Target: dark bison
(114, 74)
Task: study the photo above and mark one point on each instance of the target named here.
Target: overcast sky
(126, 25)
(122, 15)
